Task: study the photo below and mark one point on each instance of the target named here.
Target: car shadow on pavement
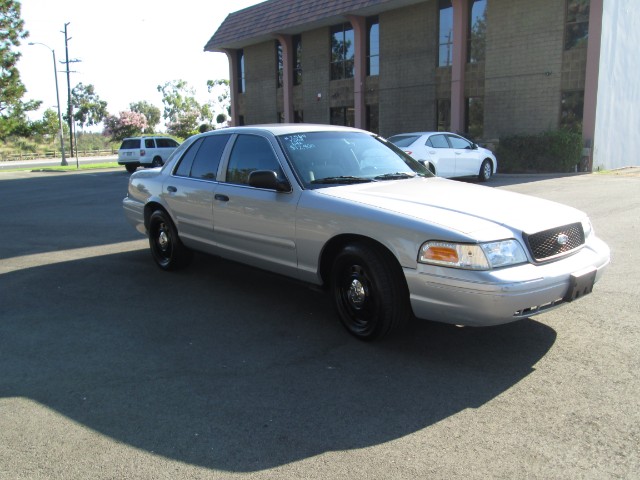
(231, 368)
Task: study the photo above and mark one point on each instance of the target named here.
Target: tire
(157, 162)
(131, 168)
(369, 291)
(486, 170)
(166, 248)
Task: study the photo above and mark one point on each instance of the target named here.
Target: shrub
(551, 151)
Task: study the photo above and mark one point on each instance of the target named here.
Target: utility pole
(70, 121)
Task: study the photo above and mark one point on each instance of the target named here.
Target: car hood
(461, 206)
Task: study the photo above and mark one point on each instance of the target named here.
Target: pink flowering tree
(128, 124)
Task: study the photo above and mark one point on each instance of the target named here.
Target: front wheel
(369, 291)
(486, 170)
(166, 247)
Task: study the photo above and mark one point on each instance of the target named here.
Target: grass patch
(69, 168)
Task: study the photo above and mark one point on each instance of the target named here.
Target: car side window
(184, 167)
(438, 141)
(166, 143)
(250, 153)
(149, 143)
(207, 158)
(458, 142)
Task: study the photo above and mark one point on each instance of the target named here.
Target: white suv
(145, 151)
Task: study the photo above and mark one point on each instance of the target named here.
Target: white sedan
(447, 154)
(345, 209)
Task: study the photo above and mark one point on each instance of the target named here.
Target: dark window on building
(343, 116)
(571, 110)
(298, 116)
(577, 24)
(280, 117)
(240, 120)
(373, 118)
(445, 34)
(477, 33)
(474, 117)
(279, 65)
(443, 114)
(250, 153)
(373, 46)
(297, 59)
(342, 51)
(241, 79)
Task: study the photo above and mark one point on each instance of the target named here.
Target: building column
(232, 56)
(459, 62)
(360, 69)
(591, 80)
(287, 76)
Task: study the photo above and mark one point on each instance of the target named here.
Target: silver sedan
(345, 209)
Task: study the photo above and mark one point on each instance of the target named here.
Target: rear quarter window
(403, 140)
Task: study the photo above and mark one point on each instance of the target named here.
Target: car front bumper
(484, 298)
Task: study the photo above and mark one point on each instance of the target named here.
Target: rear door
(189, 191)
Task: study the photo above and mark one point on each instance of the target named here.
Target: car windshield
(340, 157)
(403, 140)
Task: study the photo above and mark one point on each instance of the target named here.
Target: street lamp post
(55, 74)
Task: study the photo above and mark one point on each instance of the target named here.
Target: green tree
(182, 111)
(88, 108)
(12, 109)
(151, 112)
(221, 107)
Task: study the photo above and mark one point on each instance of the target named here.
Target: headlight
(482, 256)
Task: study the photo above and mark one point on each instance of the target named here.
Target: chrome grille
(554, 242)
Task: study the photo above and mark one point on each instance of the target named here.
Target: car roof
(289, 128)
(423, 133)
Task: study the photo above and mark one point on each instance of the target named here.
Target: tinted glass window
(184, 167)
(438, 141)
(149, 143)
(403, 140)
(166, 143)
(457, 142)
(250, 153)
(130, 144)
(207, 159)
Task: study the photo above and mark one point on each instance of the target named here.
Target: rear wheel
(157, 162)
(369, 291)
(166, 248)
(130, 167)
(486, 170)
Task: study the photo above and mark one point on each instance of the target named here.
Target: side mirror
(474, 146)
(268, 179)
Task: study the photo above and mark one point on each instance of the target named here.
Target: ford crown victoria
(345, 209)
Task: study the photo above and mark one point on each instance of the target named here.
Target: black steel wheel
(157, 162)
(130, 167)
(369, 291)
(166, 248)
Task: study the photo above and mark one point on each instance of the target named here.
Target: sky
(126, 48)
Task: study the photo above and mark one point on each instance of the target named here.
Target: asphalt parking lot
(111, 368)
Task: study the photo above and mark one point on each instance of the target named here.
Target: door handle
(171, 189)
(220, 197)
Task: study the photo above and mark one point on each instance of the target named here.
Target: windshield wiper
(342, 179)
(394, 176)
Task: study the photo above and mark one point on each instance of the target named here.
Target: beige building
(484, 68)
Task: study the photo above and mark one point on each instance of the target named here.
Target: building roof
(263, 21)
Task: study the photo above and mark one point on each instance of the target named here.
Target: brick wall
(523, 66)
(407, 68)
(315, 76)
(260, 99)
